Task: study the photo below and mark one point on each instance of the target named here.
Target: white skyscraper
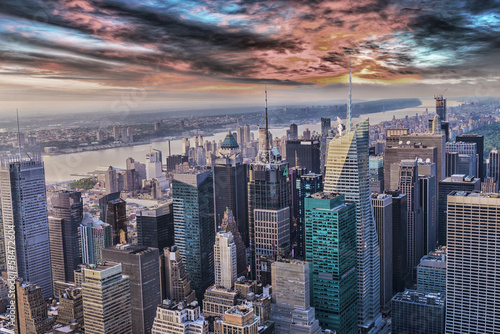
(24, 211)
(472, 279)
(153, 164)
(347, 173)
(153, 168)
(225, 260)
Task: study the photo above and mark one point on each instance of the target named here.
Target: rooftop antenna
(267, 129)
(349, 120)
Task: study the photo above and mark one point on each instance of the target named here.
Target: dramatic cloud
(102, 47)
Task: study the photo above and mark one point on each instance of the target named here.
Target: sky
(89, 55)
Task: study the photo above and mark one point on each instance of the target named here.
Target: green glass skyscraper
(331, 248)
(194, 226)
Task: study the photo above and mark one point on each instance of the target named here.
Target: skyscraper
(394, 154)
(347, 174)
(494, 165)
(247, 138)
(229, 225)
(400, 275)
(66, 214)
(382, 211)
(141, 265)
(430, 140)
(103, 204)
(32, 314)
(154, 168)
(116, 216)
(305, 185)
(230, 187)
(106, 299)
(111, 181)
(292, 312)
(70, 307)
(431, 272)
(94, 236)
(464, 159)
(408, 185)
(176, 285)
(326, 125)
(155, 226)
(3, 259)
(225, 260)
(376, 173)
(304, 153)
(418, 313)
(458, 183)
(428, 204)
(294, 132)
(479, 140)
(194, 226)
(24, 213)
(472, 281)
(272, 239)
(331, 247)
(269, 190)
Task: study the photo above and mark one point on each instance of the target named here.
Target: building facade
(194, 226)
(472, 282)
(155, 226)
(24, 214)
(141, 265)
(418, 313)
(347, 174)
(106, 299)
(331, 248)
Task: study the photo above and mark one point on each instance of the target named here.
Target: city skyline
(140, 56)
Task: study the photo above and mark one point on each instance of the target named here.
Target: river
(59, 168)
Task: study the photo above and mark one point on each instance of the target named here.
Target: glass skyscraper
(331, 249)
(24, 211)
(347, 174)
(194, 226)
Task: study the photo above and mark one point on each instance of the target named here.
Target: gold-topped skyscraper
(347, 174)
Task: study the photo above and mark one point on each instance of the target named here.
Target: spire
(349, 120)
(19, 136)
(267, 126)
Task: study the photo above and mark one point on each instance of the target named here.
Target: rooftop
(229, 141)
(416, 297)
(473, 194)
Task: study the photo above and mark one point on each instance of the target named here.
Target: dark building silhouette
(66, 214)
(103, 204)
(230, 185)
(326, 125)
(382, 212)
(305, 185)
(116, 216)
(142, 266)
(155, 226)
(304, 153)
(400, 274)
(175, 160)
(294, 132)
